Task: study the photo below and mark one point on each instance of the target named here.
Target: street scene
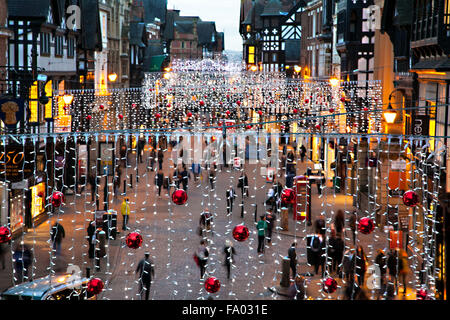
(261, 150)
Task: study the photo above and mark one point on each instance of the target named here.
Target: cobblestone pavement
(169, 233)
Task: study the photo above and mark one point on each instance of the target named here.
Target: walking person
(317, 246)
(229, 256)
(57, 233)
(184, 178)
(159, 181)
(117, 178)
(152, 159)
(336, 252)
(160, 158)
(339, 222)
(231, 195)
(380, 262)
(361, 265)
(297, 290)
(348, 264)
(302, 153)
(292, 255)
(270, 219)
(91, 229)
(392, 264)
(403, 268)
(262, 228)
(212, 176)
(140, 148)
(205, 222)
(91, 179)
(22, 258)
(125, 211)
(146, 272)
(352, 225)
(202, 254)
(243, 185)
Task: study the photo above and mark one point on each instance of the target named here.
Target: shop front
(38, 200)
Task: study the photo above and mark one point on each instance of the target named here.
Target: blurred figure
(292, 255)
(349, 264)
(229, 259)
(403, 268)
(243, 185)
(22, 258)
(231, 195)
(91, 229)
(270, 220)
(361, 265)
(57, 233)
(152, 159)
(125, 210)
(352, 225)
(205, 221)
(302, 153)
(336, 253)
(146, 272)
(261, 227)
(392, 264)
(354, 292)
(160, 158)
(297, 290)
(159, 181)
(339, 222)
(380, 261)
(202, 254)
(3, 250)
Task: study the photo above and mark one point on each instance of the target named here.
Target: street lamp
(68, 98)
(112, 77)
(297, 69)
(390, 114)
(334, 82)
(253, 68)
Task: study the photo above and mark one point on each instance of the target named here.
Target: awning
(156, 63)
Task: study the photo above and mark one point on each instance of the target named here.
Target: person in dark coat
(380, 262)
(22, 258)
(336, 253)
(243, 185)
(57, 233)
(231, 195)
(339, 222)
(159, 180)
(184, 178)
(317, 247)
(229, 259)
(352, 225)
(270, 219)
(160, 158)
(297, 290)
(91, 232)
(361, 265)
(146, 271)
(202, 254)
(91, 179)
(152, 159)
(302, 153)
(292, 255)
(140, 148)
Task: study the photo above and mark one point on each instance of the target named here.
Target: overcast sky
(224, 12)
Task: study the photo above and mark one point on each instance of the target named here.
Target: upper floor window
(71, 47)
(59, 46)
(45, 43)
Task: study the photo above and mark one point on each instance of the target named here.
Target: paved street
(169, 233)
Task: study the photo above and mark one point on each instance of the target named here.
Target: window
(59, 46)
(182, 44)
(251, 54)
(71, 47)
(45, 43)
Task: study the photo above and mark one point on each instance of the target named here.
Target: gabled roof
(256, 10)
(155, 9)
(206, 32)
(28, 8)
(274, 8)
(137, 33)
(184, 26)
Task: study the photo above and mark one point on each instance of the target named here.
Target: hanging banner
(11, 111)
(34, 110)
(16, 163)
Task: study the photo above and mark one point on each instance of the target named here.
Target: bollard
(284, 219)
(286, 269)
(131, 181)
(125, 186)
(101, 244)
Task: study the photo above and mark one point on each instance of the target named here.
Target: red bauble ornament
(342, 99)
(260, 112)
(295, 111)
(95, 286)
(422, 294)
(89, 117)
(410, 198)
(366, 225)
(202, 103)
(272, 101)
(365, 109)
(57, 199)
(189, 114)
(288, 195)
(102, 107)
(133, 240)
(331, 110)
(240, 233)
(228, 96)
(179, 197)
(120, 116)
(306, 100)
(228, 112)
(238, 103)
(212, 284)
(157, 116)
(318, 126)
(5, 234)
(329, 285)
(249, 126)
(133, 105)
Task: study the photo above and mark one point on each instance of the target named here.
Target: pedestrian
(352, 225)
(348, 264)
(212, 176)
(196, 170)
(297, 290)
(205, 222)
(229, 256)
(380, 262)
(361, 265)
(392, 264)
(339, 222)
(22, 258)
(231, 195)
(159, 181)
(91, 229)
(152, 159)
(403, 268)
(292, 255)
(184, 178)
(290, 164)
(243, 185)
(160, 158)
(202, 254)
(57, 233)
(91, 179)
(140, 148)
(117, 178)
(3, 251)
(261, 227)
(354, 292)
(320, 226)
(317, 246)
(270, 219)
(336, 253)
(302, 153)
(146, 271)
(125, 210)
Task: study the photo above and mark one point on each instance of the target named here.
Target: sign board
(237, 162)
(11, 112)
(404, 222)
(17, 163)
(398, 165)
(420, 125)
(270, 172)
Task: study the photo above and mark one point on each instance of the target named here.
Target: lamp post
(390, 114)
